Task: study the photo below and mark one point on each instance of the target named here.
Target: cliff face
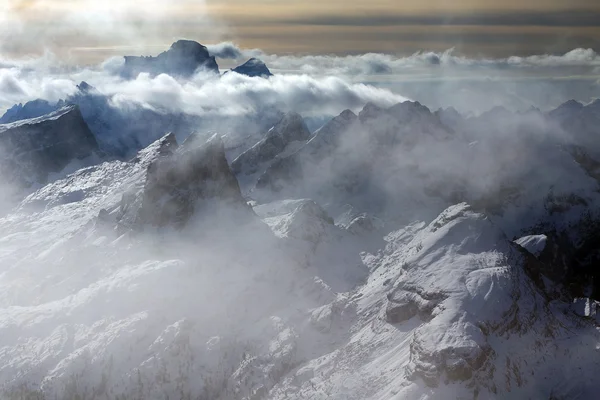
(33, 148)
(181, 182)
(182, 59)
(194, 179)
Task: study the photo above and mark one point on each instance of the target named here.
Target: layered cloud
(380, 63)
(324, 84)
(204, 94)
(234, 94)
(377, 63)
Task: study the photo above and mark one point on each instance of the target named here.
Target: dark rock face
(182, 59)
(194, 177)
(290, 129)
(253, 67)
(33, 148)
(131, 201)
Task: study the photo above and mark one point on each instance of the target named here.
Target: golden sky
(90, 30)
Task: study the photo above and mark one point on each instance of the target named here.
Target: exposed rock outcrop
(182, 181)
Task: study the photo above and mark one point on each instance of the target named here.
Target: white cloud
(234, 94)
(377, 63)
(20, 85)
(225, 50)
(204, 94)
(321, 84)
(574, 58)
(229, 50)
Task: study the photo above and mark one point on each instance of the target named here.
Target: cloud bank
(235, 95)
(323, 84)
(378, 63)
(204, 94)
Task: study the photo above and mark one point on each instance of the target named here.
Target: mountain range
(392, 253)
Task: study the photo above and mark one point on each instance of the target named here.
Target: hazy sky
(90, 30)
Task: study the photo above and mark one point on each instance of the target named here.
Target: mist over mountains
(172, 230)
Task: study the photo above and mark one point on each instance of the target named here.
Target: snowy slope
(449, 311)
(123, 304)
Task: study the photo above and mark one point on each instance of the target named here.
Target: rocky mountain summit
(183, 59)
(195, 175)
(253, 67)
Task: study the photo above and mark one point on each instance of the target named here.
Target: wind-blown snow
(535, 244)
